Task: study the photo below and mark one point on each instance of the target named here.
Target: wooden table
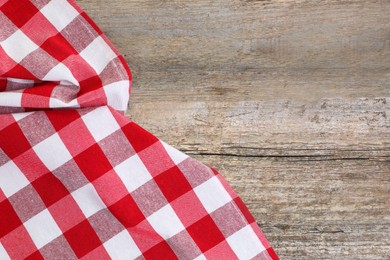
(289, 100)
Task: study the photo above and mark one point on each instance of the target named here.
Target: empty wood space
(288, 99)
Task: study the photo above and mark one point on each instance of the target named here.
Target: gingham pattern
(54, 56)
(85, 182)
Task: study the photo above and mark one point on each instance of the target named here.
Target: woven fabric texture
(79, 180)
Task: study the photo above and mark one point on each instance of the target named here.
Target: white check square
(42, 228)
(212, 194)
(60, 73)
(11, 99)
(3, 254)
(59, 20)
(98, 54)
(133, 173)
(52, 152)
(18, 46)
(100, 122)
(245, 243)
(201, 257)
(166, 222)
(11, 179)
(176, 155)
(20, 116)
(88, 200)
(117, 94)
(122, 245)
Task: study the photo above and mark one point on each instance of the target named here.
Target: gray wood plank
(288, 99)
(311, 209)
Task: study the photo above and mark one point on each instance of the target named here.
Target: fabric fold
(80, 180)
(54, 56)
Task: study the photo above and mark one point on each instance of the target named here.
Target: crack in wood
(308, 157)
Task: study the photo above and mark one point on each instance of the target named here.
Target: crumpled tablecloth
(80, 180)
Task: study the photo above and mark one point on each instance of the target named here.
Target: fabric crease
(79, 180)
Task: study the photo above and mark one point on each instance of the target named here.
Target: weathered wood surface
(289, 100)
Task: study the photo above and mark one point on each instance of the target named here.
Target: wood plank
(225, 35)
(330, 209)
(330, 127)
(198, 62)
(288, 99)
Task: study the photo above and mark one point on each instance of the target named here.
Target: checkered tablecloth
(78, 180)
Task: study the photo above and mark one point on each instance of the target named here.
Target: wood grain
(288, 99)
(315, 209)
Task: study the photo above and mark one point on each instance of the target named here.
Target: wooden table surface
(288, 99)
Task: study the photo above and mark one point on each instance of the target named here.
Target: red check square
(127, 212)
(82, 238)
(14, 8)
(60, 119)
(58, 47)
(205, 233)
(19, 143)
(160, 251)
(93, 162)
(138, 137)
(9, 218)
(56, 191)
(173, 183)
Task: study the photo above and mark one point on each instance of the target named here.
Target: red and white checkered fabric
(80, 180)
